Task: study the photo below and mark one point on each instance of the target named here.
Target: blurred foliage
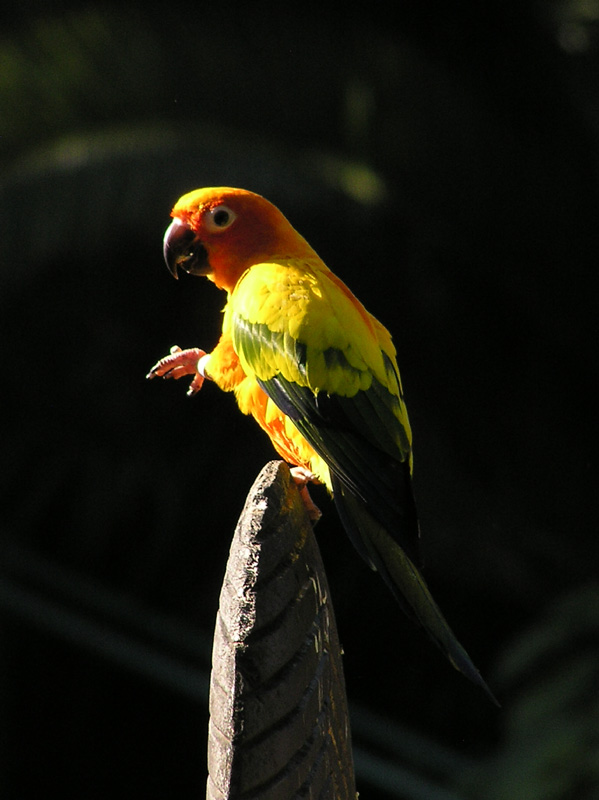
(444, 163)
(550, 743)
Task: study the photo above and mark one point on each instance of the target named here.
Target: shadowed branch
(279, 725)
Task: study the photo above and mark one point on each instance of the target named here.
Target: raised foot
(179, 364)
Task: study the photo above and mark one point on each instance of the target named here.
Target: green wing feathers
(293, 322)
(321, 360)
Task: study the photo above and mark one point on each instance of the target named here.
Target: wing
(330, 367)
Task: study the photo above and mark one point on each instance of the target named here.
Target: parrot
(318, 373)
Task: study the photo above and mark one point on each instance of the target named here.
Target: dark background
(444, 164)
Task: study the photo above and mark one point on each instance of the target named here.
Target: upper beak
(182, 248)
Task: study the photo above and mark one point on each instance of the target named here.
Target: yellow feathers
(298, 300)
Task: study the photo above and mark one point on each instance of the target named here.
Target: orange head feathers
(220, 232)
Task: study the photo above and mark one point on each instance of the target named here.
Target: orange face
(220, 232)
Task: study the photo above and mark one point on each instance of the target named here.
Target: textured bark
(279, 726)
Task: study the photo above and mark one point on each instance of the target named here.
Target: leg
(180, 363)
(302, 477)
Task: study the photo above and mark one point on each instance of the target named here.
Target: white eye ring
(220, 218)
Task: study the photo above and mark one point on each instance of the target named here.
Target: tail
(385, 555)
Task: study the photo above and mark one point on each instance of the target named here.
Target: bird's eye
(219, 218)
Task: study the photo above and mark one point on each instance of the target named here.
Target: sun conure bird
(317, 372)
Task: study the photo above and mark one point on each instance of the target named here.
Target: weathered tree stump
(279, 725)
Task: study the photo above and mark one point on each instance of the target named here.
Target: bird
(318, 373)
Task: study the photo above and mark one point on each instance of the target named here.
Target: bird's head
(220, 232)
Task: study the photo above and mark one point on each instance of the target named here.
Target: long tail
(384, 554)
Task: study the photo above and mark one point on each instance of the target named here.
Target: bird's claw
(178, 364)
(302, 477)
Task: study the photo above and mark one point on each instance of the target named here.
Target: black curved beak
(182, 248)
